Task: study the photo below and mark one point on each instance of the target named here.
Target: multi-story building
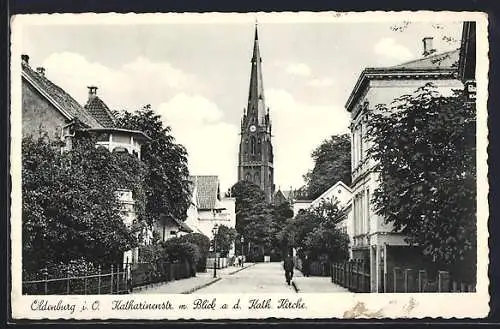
(208, 208)
(373, 239)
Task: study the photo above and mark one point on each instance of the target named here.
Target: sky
(196, 77)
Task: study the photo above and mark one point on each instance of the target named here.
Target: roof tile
(207, 188)
(100, 112)
(61, 97)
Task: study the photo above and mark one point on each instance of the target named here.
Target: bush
(203, 244)
(176, 250)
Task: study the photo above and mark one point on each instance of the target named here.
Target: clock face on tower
(252, 128)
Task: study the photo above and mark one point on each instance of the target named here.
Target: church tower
(256, 150)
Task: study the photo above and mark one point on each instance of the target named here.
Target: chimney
(25, 59)
(92, 92)
(428, 49)
(41, 71)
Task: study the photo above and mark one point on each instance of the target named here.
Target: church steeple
(256, 101)
(256, 149)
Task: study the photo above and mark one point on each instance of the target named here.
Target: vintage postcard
(249, 166)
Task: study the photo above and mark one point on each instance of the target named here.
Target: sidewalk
(315, 284)
(190, 285)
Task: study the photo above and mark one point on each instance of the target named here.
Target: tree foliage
(256, 220)
(332, 163)
(316, 232)
(425, 152)
(70, 209)
(168, 176)
(225, 238)
(203, 244)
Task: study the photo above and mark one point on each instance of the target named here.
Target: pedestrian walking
(306, 266)
(288, 265)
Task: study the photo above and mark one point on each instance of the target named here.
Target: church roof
(100, 111)
(63, 101)
(256, 103)
(207, 191)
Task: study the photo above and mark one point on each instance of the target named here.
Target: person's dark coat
(288, 264)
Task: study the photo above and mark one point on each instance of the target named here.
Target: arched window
(247, 177)
(252, 145)
(257, 178)
(258, 147)
(245, 146)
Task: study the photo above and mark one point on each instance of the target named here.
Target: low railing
(118, 279)
(353, 275)
(413, 280)
(114, 281)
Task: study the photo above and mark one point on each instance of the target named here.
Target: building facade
(208, 208)
(372, 239)
(256, 159)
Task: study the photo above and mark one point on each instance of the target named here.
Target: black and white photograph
(277, 164)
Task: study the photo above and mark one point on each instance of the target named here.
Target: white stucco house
(209, 208)
(373, 239)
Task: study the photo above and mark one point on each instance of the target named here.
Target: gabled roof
(442, 65)
(207, 191)
(443, 60)
(100, 111)
(335, 186)
(182, 226)
(60, 99)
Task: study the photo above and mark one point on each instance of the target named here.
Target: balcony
(120, 140)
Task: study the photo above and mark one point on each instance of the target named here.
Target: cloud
(130, 86)
(298, 69)
(298, 128)
(320, 82)
(388, 47)
(212, 145)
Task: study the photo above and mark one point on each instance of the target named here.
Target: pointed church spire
(256, 105)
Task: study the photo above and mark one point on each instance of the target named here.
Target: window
(259, 147)
(368, 208)
(247, 177)
(252, 145)
(257, 178)
(120, 149)
(245, 146)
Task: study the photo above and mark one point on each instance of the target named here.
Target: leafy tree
(424, 149)
(332, 162)
(168, 176)
(254, 218)
(203, 244)
(281, 214)
(225, 238)
(70, 209)
(176, 250)
(315, 232)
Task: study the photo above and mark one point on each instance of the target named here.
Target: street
(260, 278)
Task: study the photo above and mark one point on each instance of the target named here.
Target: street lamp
(214, 231)
(242, 240)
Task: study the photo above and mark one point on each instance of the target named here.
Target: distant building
(208, 207)
(373, 240)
